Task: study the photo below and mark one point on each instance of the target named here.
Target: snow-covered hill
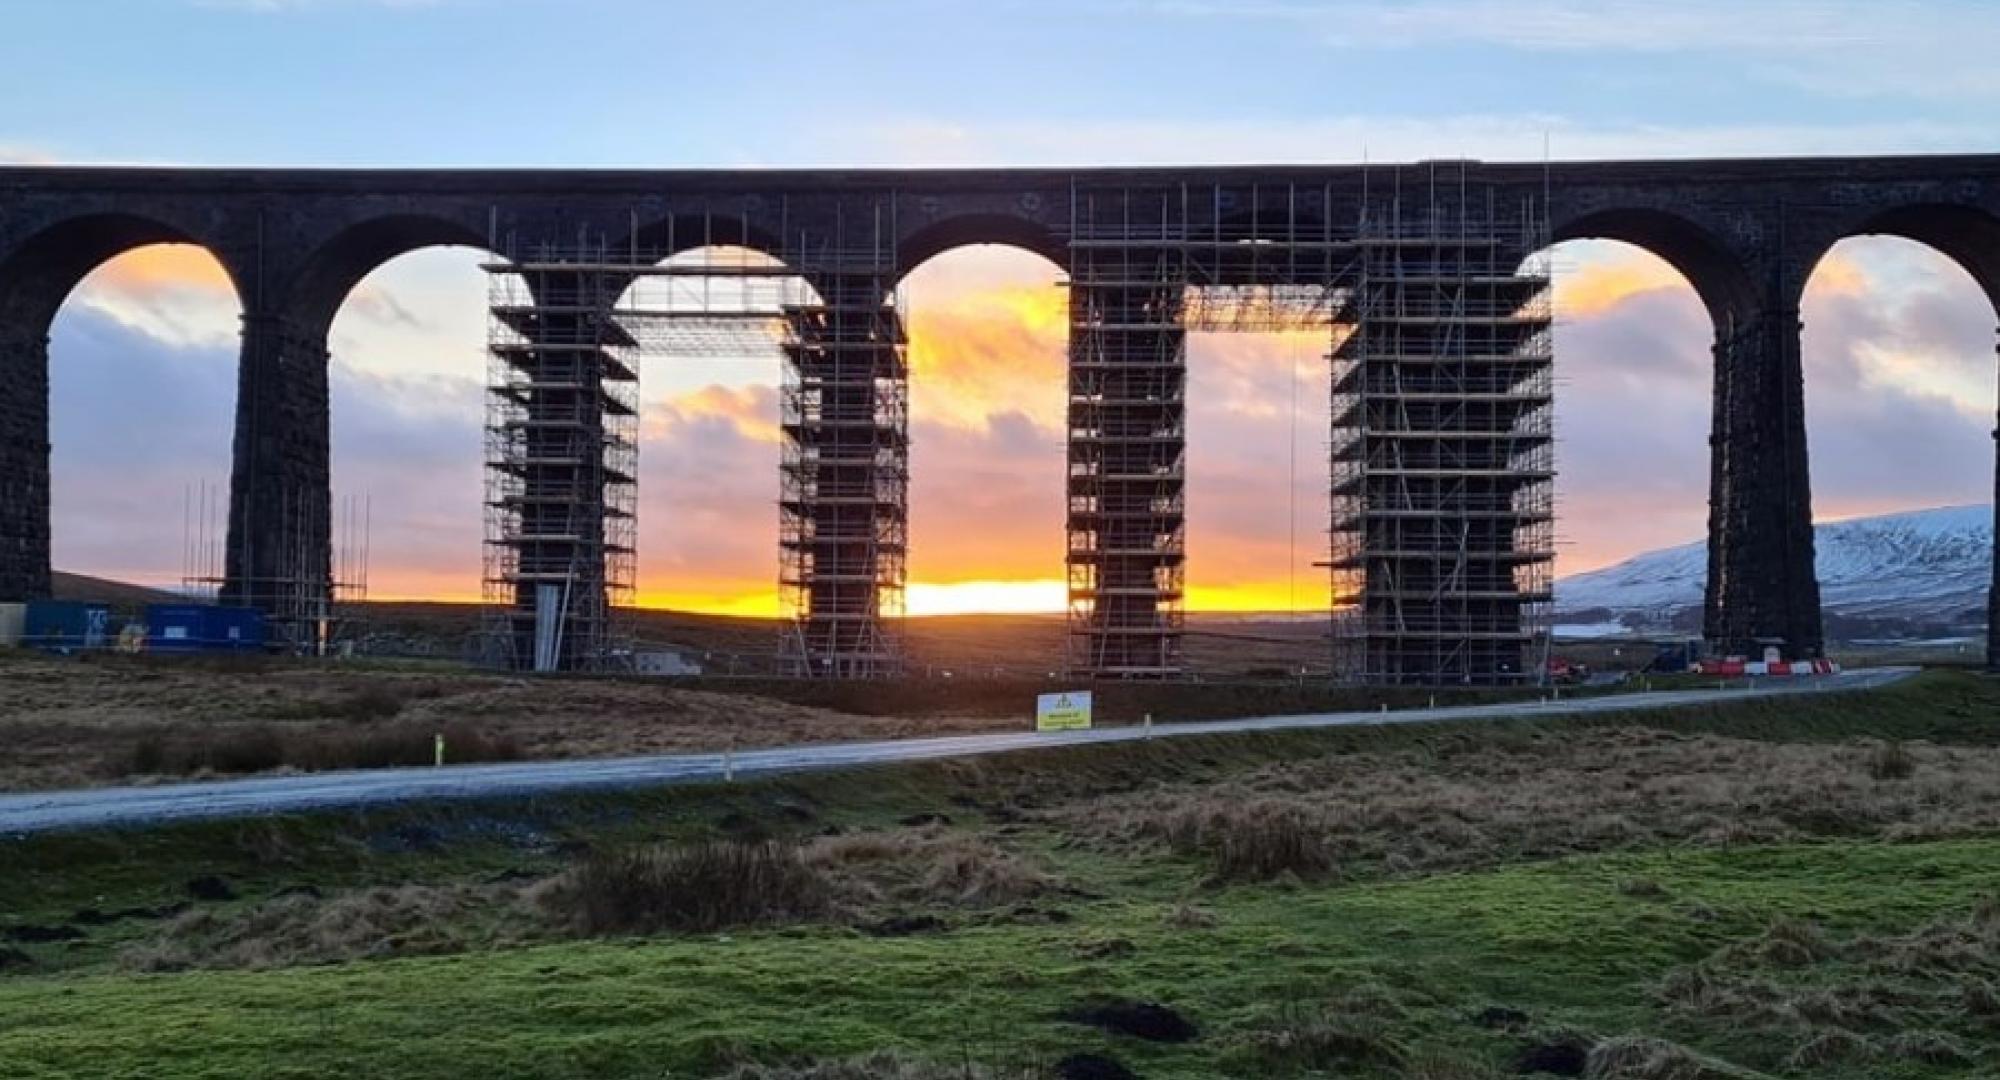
(1925, 567)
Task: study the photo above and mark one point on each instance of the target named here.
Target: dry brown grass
(240, 749)
(1320, 1038)
(1435, 1065)
(289, 931)
(67, 723)
(855, 879)
(1892, 998)
(849, 878)
(1185, 916)
(1634, 1058)
(699, 888)
(1523, 796)
(1891, 761)
(1257, 840)
(929, 867)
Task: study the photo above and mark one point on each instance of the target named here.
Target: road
(133, 806)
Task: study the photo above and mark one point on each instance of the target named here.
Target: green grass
(1559, 941)
(1571, 942)
(131, 868)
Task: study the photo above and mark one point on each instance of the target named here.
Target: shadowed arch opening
(39, 275)
(1898, 350)
(140, 386)
(1967, 235)
(1633, 402)
(978, 232)
(339, 265)
(1720, 279)
(988, 357)
(406, 388)
(710, 436)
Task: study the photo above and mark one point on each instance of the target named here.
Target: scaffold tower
(845, 473)
(1127, 482)
(562, 458)
(570, 327)
(1442, 443)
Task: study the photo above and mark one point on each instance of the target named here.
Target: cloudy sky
(1899, 343)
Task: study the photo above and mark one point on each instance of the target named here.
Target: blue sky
(790, 82)
(1899, 345)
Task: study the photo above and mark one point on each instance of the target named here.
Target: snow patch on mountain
(1924, 565)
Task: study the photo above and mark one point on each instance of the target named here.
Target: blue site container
(66, 626)
(186, 628)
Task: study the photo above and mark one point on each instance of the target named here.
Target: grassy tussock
(1315, 1038)
(296, 930)
(1354, 1029)
(1926, 997)
(1433, 1065)
(1891, 761)
(932, 867)
(1258, 840)
(697, 889)
(1634, 1058)
(1528, 795)
(713, 886)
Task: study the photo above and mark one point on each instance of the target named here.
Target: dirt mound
(1138, 1019)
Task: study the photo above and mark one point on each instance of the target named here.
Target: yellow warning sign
(1062, 712)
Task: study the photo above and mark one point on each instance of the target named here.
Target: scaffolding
(1442, 450)
(570, 327)
(1441, 475)
(844, 503)
(304, 596)
(1146, 266)
(561, 458)
(1127, 446)
(1437, 315)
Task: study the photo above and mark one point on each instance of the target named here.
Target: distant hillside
(1017, 644)
(1925, 571)
(103, 591)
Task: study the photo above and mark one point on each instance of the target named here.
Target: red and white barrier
(1731, 669)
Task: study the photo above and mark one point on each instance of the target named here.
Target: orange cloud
(150, 272)
(1838, 274)
(1600, 285)
(751, 410)
(1000, 350)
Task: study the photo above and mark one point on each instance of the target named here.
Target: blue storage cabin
(187, 628)
(66, 626)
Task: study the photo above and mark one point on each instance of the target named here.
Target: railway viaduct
(1745, 233)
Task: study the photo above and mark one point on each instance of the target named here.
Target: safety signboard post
(1062, 712)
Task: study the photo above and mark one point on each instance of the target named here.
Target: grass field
(108, 718)
(1797, 887)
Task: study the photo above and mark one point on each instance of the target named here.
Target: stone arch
(975, 230)
(1719, 277)
(41, 272)
(336, 266)
(1760, 585)
(1967, 235)
(36, 277)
